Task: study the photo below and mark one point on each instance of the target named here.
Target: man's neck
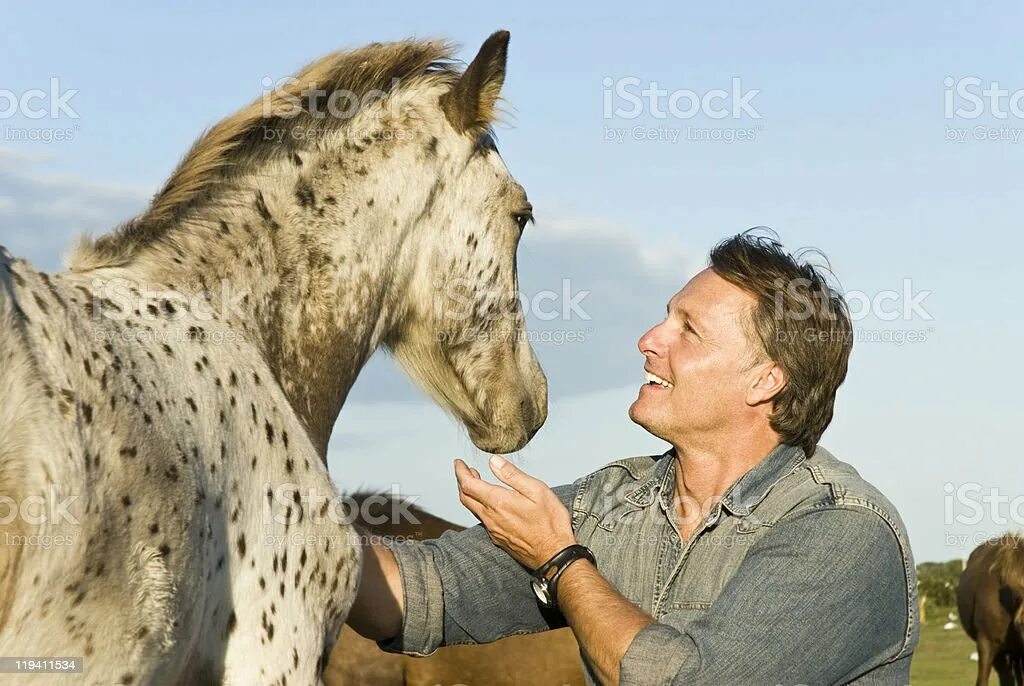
(705, 471)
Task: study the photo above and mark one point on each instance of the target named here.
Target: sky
(861, 130)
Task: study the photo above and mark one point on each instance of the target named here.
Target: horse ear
(470, 104)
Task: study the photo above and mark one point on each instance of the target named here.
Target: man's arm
(604, 622)
(379, 606)
(459, 588)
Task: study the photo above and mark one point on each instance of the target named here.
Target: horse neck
(317, 302)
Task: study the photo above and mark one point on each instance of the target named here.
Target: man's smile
(654, 379)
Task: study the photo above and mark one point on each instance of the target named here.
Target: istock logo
(630, 98)
(970, 97)
(36, 103)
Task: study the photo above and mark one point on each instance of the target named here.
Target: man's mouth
(655, 379)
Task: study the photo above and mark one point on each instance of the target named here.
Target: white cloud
(41, 213)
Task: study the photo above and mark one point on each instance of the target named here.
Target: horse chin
(509, 426)
(502, 442)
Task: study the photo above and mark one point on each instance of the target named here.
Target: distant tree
(938, 580)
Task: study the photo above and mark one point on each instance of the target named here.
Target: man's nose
(648, 343)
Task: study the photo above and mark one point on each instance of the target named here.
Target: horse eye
(523, 218)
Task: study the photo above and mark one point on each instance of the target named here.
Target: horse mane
(234, 144)
(1008, 564)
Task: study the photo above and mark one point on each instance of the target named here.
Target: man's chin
(638, 414)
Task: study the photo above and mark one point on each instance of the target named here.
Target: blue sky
(850, 154)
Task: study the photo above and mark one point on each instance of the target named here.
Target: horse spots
(154, 528)
(241, 546)
(270, 432)
(129, 452)
(304, 194)
(233, 379)
(369, 203)
(126, 500)
(41, 304)
(165, 550)
(232, 623)
(431, 147)
(168, 350)
(261, 207)
(172, 473)
(256, 378)
(191, 403)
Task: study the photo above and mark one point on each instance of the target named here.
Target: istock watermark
(971, 98)
(888, 305)
(286, 98)
(972, 503)
(632, 98)
(287, 503)
(120, 299)
(463, 299)
(37, 103)
(51, 508)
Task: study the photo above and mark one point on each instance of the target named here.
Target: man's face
(702, 351)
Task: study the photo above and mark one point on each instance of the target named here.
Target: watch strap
(560, 561)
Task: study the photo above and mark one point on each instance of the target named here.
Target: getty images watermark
(631, 98)
(971, 98)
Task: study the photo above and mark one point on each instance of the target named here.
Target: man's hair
(800, 322)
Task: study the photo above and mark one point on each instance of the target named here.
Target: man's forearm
(605, 623)
(378, 608)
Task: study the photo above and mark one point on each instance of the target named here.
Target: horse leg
(1005, 670)
(986, 656)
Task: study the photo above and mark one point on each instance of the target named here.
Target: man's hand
(526, 520)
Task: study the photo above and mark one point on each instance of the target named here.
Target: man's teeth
(654, 378)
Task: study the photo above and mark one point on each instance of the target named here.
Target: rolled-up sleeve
(461, 588)
(820, 599)
(423, 602)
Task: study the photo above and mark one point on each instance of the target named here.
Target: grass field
(942, 657)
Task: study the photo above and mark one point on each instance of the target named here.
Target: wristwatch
(545, 577)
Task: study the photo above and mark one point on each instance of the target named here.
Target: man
(743, 555)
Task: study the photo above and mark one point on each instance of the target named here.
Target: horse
(168, 399)
(549, 658)
(990, 601)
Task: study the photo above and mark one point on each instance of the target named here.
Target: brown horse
(548, 658)
(990, 599)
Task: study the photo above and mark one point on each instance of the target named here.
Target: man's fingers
(483, 493)
(477, 488)
(515, 477)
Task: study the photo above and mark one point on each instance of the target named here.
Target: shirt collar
(740, 499)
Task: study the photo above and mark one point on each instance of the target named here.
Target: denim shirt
(801, 574)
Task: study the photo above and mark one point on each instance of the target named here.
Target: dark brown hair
(801, 322)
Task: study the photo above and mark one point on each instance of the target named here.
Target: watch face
(540, 589)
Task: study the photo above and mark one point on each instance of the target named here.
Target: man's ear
(470, 104)
(768, 383)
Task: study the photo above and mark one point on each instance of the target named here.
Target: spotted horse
(166, 402)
